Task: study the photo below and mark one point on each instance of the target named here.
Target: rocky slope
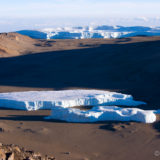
(14, 152)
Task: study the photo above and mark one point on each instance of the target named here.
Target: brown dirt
(129, 65)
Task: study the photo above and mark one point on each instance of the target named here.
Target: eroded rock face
(14, 152)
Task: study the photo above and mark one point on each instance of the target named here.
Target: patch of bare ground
(14, 152)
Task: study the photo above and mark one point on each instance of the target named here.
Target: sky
(34, 14)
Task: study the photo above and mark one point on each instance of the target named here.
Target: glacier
(102, 113)
(61, 102)
(91, 32)
(34, 100)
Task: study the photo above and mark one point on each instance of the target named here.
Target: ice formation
(34, 100)
(102, 113)
(104, 102)
(91, 32)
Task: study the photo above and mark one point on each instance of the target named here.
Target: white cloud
(143, 18)
(80, 8)
(37, 13)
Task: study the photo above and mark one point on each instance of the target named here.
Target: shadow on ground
(132, 68)
(106, 125)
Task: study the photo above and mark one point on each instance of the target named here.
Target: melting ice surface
(60, 102)
(34, 100)
(102, 113)
(91, 32)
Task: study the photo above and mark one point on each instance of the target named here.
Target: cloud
(79, 8)
(38, 13)
(142, 19)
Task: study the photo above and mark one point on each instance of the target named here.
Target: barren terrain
(129, 65)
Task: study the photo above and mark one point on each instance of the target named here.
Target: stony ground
(14, 152)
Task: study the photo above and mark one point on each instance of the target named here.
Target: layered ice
(91, 32)
(59, 102)
(34, 100)
(102, 113)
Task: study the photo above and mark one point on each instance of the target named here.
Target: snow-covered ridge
(60, 102)
(91, 32)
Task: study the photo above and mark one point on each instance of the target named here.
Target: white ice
(34, 100)
(102, 113)
(91, 32)
(61, 101)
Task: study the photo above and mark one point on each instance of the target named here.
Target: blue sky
(31, 13)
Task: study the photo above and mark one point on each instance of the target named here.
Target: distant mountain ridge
(91, 32)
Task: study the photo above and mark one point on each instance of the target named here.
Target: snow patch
(102, 113)
(34, 100)
(91, 32)
(104, 102)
